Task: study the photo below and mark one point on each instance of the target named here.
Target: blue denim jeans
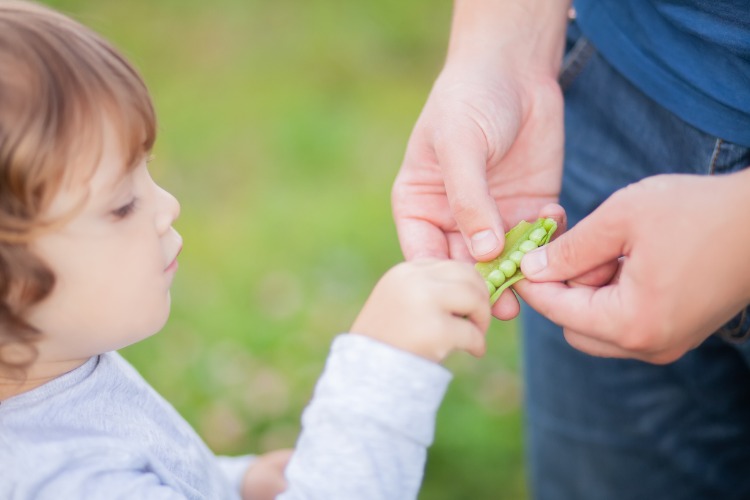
(623, 429)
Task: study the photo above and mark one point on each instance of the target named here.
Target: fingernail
(483, 243)
(534, 262)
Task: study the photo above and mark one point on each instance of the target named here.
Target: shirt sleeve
(367, 428)
(91, 481)
(234, 468)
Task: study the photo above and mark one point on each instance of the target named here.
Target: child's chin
(155, 326)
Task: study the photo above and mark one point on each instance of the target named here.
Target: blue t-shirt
(690, 56)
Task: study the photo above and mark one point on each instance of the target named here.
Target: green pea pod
(513, 241)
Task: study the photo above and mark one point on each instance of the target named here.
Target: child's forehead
(70, 84)
(68, 101)
(108, 160)
(97, 171)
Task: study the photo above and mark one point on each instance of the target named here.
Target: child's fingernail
(534, 262)
(483, 243)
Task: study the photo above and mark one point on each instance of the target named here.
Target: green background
(281, 127)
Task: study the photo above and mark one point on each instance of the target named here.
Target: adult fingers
(506, 307)
(463, 159)
(593, 346)
(599, 276)
(557, 213)
(596, 240)
(597, 320)
(602, 349)
(579, 314)
(457, 247)
(595, 312)
(421, 239)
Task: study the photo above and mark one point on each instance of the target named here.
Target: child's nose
(169, 210)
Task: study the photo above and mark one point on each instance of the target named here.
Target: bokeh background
(281, 127)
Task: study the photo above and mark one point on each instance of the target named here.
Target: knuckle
(644, 339)
(635, 341)
(464, 207)
(666, 357)
(646, 330)
(635, 336)
(576, 341)
(564, 251)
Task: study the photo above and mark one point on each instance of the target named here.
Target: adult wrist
(527, 36)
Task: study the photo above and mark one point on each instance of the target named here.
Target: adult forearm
(528, 34)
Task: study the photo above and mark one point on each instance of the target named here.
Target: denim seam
(715, 156)
(574, 63)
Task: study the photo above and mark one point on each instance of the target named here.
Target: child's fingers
(466, 300)
(451, 270)
(468, 336)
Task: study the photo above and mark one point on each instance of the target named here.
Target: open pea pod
(504, 271)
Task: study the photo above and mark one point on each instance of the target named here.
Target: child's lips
(173, 265)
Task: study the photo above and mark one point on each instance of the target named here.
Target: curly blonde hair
(60, 83)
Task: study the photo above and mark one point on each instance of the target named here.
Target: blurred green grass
(281, 127)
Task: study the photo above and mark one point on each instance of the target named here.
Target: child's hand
(429, 308)
(264, 479)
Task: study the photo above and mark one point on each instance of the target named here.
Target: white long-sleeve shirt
(101, 431)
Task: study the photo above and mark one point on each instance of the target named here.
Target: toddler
(87, 257)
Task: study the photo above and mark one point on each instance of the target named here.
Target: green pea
(496, 278)
(508, 268)
(527, 246)
(504, 271)
(516, 257)
(537, 235)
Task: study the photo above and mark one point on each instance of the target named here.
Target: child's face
(114, 262)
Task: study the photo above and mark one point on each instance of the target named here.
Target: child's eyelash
(125, 210)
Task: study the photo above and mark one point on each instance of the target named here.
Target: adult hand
(652, 272)
(486, 151)
(480, 148)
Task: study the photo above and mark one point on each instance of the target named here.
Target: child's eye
(125, 210)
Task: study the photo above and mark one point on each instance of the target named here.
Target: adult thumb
(464, 165)
(596, 240)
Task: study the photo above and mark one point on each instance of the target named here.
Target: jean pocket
(578, 52)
